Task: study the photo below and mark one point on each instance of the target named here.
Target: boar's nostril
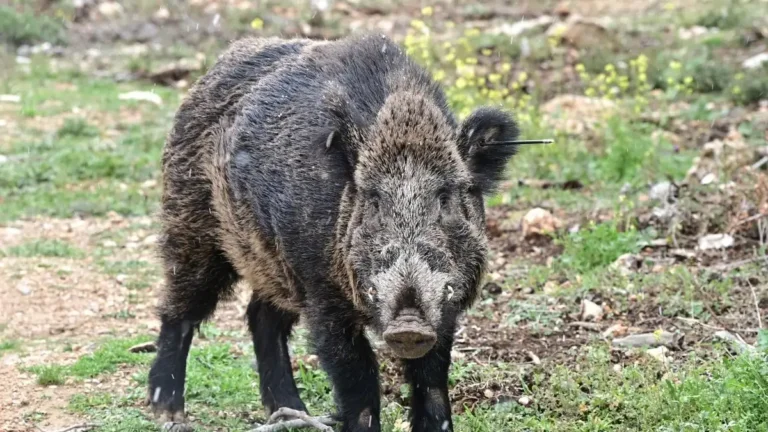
(409, 336)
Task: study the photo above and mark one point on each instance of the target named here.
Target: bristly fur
(333, 178)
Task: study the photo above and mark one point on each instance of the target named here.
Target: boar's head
(412, 231)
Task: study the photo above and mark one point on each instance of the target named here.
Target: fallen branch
(300, 420)
(726, 267)
(80, 427)
(695, 321)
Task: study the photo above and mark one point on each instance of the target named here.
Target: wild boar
(333, 178)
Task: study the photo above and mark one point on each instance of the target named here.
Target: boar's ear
(482, 138)
(341, 135)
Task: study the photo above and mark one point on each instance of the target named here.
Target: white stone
(755, 62)
(141, 96)
(716, 241)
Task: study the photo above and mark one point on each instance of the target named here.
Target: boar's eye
(444, 198)
(373, 199)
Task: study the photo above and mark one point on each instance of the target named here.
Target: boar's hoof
(176, 427)
(172, 421)
(409, 336)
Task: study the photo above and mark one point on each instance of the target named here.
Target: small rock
(649, 339)
(458, 355)
(150, 240)
(736, 342)
(149, 184)
(591, 311)
(524, 401)
(22, 60)
(708, 179)
(131, 245)
(23, 288)
(110, 9)
(628, 263)
(11, 232)
(520, 27)
(533, 357)
(615, 330)
(716, 241)
(9, 98)
(693, 32)
(162, 14)
(539, 221)
(147, 347)
(550, 287)
(141, 96)
(493, 288)
(583, 33)
(660, 191)
(683, 253)
(659, 353)
(121, 278)
(488, 393)
(755, 62)
(109, 243)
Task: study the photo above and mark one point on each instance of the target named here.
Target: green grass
(597, 246)
(44, 248)
(222, 392)
(9, 345)
(106, 359)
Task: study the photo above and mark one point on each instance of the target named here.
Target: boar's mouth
(409, 336)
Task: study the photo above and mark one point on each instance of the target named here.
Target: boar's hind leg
(348, 359)
(192, 291)
(428, 377)
(271, 328)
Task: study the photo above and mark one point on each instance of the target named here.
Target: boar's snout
(409, 335)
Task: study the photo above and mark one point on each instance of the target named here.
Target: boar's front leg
(348, 359)
(428, 376)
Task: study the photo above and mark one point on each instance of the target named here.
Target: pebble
(591, 311)
(23, 288)
(524, 401)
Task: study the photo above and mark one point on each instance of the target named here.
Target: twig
(82, 427)
(749, 219)
(301, 419)
(760, 163)
(586, 325)
(757, 306)
(736, 264)
(695, 321)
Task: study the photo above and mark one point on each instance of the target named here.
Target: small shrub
(76, 127)
(20, 28)
(750, 88)
(50, 375)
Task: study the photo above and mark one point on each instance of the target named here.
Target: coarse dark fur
(334, 180)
